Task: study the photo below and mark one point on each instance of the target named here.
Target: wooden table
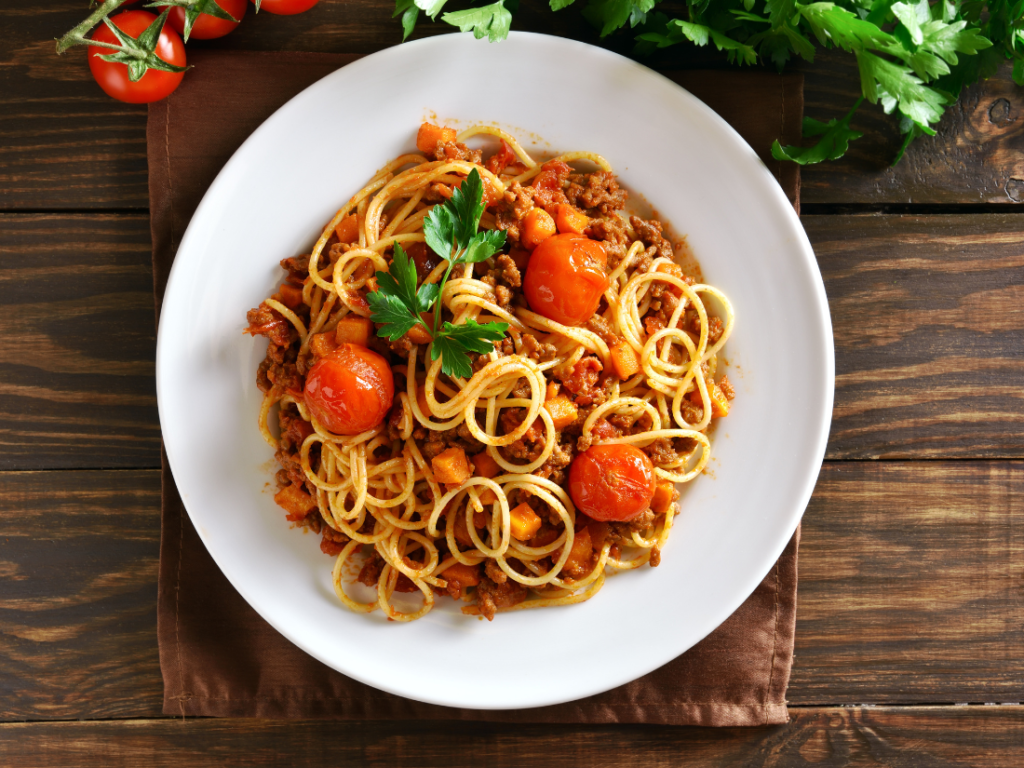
(909, 639)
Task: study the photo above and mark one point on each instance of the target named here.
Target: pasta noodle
(377, 492)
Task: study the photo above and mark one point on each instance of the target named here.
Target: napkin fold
(219, 658)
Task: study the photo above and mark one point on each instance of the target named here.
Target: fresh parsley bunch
(452, 232)
(914, 56)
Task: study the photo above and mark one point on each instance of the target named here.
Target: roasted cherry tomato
(113, 77)
(612, 482)
(207, 27)
(565, 278)
(286, 7)
(351, 390)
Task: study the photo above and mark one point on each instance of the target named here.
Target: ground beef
(715, 329)
(452, 151)
(332, 541)
(597, 193)
(531, 445)
(661, 452)
(537, 351)
(494, 572)
(297, 268)
(727, 389)
(655, 560)
(369, 574)
(581, 378)
(491, 596)
(611, 231)
(512, 208)
(602, 328)
(503, 296)
(650, 234)
(264, 321)
(401, 346)
(561, 457)
(509, 271)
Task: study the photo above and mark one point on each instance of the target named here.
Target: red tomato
(565, 278)
(350, 390)
(286, 7)
(612, 482)
(208, 27)
(113, 77)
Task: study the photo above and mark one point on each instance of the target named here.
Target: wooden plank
(78, 564)
(78, 343)
(65, 145)
(975, 158)
(909, 591)
(910, 585)
(929, 335)
(828, 737)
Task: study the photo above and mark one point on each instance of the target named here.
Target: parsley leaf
(677, 30)
(409, 13)
(453, 343)
(493, 21)
(397, 303)
(451, 229)
(836, 136)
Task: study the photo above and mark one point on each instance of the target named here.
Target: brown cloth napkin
(219, 658)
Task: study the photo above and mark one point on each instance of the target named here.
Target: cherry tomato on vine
(285, 7)
(350, 390)
(565, 278)
(612, 482)
(112, 77)
(207, 27)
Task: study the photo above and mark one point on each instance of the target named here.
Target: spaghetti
(642, 371)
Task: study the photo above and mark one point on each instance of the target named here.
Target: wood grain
(929, 334)
(78, 569)
(77, 339)
(826, 737)
(911, 579)
(64, 145)
(910, 589)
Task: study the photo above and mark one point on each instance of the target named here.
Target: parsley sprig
(452, 232)
(914, 56)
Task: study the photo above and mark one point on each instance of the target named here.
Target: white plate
(271, 201)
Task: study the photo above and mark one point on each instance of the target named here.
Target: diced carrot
(322, 344)
(569, 218)
(719, 402)
(578, 562)
(347, 230)
(353, 329)
(538, 226)
(371, 284)
(525, 522)
(664, 494)
(552, 390)
(291, 295)
(429, 134)
(487, 496)
(295, 501)
(418, 334)
(625, 360)
(484, 465)
(451, 467)
(674, 269)
(563, 411)
(465, 575)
